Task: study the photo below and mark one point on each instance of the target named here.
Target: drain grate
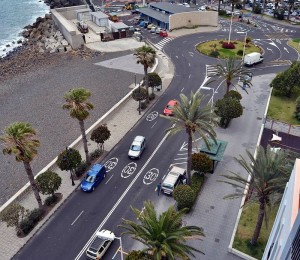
(217, 240)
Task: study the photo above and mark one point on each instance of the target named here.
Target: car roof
(139, 138)
(172, 102)
(95, 169)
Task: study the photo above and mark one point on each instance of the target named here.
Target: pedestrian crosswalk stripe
(162, 43)
(211, 70)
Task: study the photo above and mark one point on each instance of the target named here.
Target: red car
(168, 111)
(163, 34)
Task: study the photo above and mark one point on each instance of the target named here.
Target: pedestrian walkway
(160, 45)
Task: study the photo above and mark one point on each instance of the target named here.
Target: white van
(175, 177)
(253, 58)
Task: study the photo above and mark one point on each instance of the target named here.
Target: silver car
(137, 147)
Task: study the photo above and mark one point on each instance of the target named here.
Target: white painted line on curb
(121, 198)
(109, 179)
(77, 218)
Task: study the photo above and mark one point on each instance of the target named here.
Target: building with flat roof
(172, 16)
(284, 240)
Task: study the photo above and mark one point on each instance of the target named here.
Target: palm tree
(19, 139)
(192, 117)
(265, 180)
(231, 69)
(77, 104)
(145, 56)
(163, 235)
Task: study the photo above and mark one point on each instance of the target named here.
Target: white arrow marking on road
(176, 57)
(121, 198)
(286, 49)
(272, 43)
(270, 50)
(182, 148)
(277, 40)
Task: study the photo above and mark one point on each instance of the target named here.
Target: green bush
(143, 105)
(240, 52)
(201, 162)
(151, 96)
(233, 94)
(222, 12)
(26, 225)
(214, 54)
(81, 169)
(50, 200)
(138, 255)
(197, 182)
(184, 196)
(297, 112)
(95, 154)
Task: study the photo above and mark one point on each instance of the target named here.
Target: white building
(284, 240)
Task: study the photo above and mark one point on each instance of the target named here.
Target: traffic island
(223, 48)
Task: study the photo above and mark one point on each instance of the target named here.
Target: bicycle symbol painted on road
(152, 116)
(111, 163)
(150, 176)
(128, 170)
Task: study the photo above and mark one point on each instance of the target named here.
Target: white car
(153, 30)
(186, 5)
(202, 8)
(158, 29)
(137, 147)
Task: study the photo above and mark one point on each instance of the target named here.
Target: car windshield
(135, 148)
(167, 185)
(90, 178)
(170, 107)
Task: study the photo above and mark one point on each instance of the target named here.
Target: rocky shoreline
(42, 42)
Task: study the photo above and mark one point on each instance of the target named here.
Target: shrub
(95, 154)
(233, 94)
(248, 39)
(214, 54)
(100, 135)
(240, 52)
(297, 111)
(48, 182)
(138, 255)
(197, 182)
(143, 105)
(139, 94)
(201, 162)
(221, 42)
(50, 200)
(81, 168)
(26, 226)
(151, 96)
(184, 196)
(68, 159)
(222, 12)
(35, 215)
(227, 45)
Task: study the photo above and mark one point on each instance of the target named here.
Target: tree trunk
(259, 222)
(146, 81)
(219, 5)
(232, 7)
(33, 184)
(228, 83)
(84, 140)
(189, 158)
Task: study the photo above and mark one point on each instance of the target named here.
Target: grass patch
(295, 43)
(246, 228)
(283, 108)
(207, 47)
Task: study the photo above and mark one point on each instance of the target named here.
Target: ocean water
(14, 16)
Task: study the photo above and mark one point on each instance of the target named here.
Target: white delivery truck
(175, 177)
(253, 58)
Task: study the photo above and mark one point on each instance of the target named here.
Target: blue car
(93, 177)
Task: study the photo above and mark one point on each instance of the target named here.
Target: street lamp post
(230, 28)
(140, 98)
(244, 49)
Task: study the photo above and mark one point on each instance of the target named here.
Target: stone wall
(69, 30)
(191, 19)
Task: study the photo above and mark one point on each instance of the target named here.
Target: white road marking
(189, 64)
(270, 50)
(190, 76)
(182, 89)
(153, 124)
(177, 159)
(77, 218)
(121, 198)
(109, 179)
(286, 49)
(176, 57)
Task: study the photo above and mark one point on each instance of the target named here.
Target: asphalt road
(66, 234)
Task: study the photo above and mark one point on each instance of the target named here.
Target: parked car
(186, 5)
(93, 177)
(253, 58)
(100, 244)
(153, 29)
(168, 111)
(136, 29)
(158, 29)
(202, 8)
(137, 147)
(163, 33)
(149, 27)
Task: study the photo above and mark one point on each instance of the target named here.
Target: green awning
(216, 150)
